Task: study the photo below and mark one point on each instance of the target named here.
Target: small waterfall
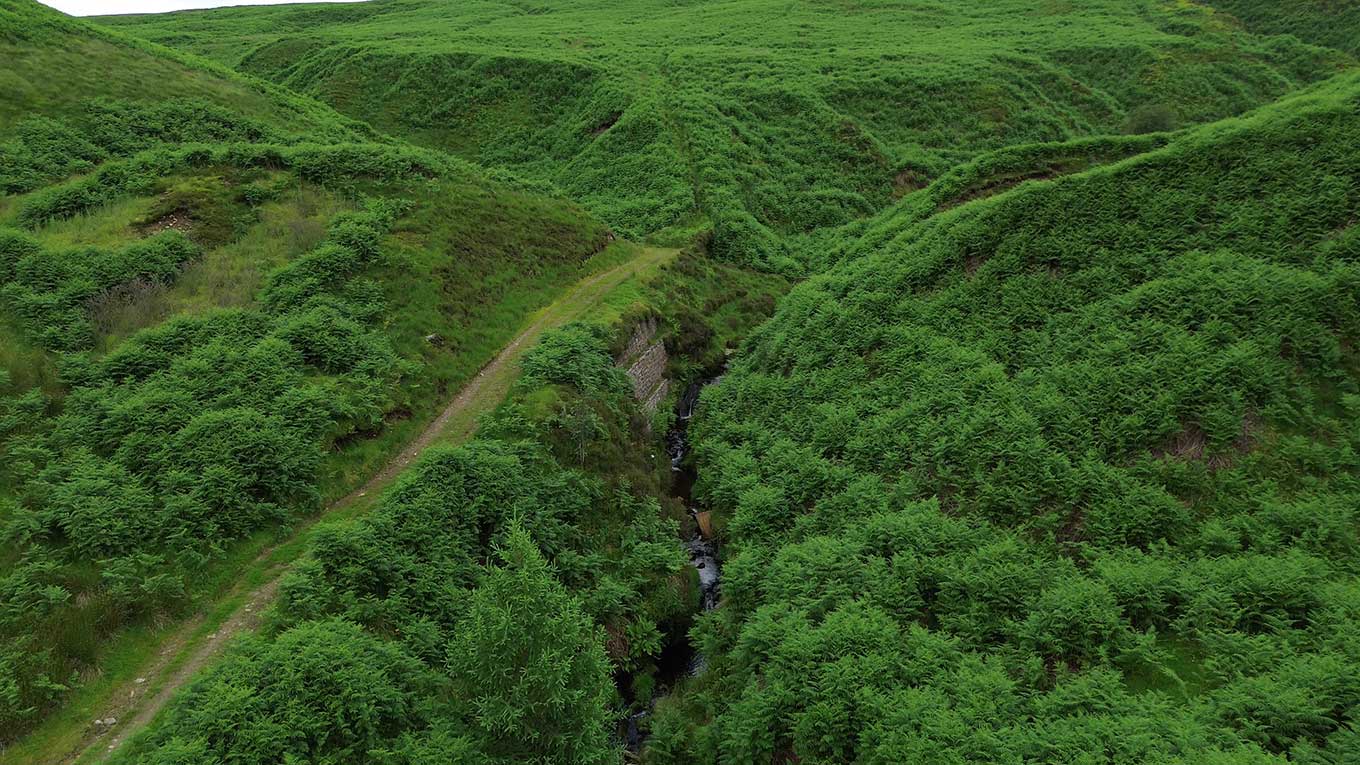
(677, 443)
(676, 447)
(632, 737)
(704, 558)
(684, 408)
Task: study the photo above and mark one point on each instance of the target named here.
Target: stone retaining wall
(645, 359)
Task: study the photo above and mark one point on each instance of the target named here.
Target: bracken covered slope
(1067, 474)
(1334, 23)
(72, 95)
(758, 119)
(220, 304)
(1052, 458)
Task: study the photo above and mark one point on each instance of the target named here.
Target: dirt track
(136, 703)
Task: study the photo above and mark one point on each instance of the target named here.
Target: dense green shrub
(14, 247)
(191, 434)
(321, 691)
(1059, 475)
(575, 355)
(52, 291)
(1150, 118)
(516, 584)
(530, 665)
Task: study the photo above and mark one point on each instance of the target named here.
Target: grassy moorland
(757, 119)
(73, 95)
(1050, 457)
(1321, 22)
(1065, 474)
(223, 305)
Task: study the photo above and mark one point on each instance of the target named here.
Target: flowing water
(703, 553)
(678, 658)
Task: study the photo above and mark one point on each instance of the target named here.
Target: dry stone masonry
(645, 359)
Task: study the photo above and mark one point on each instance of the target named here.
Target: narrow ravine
(679, 659)
(703, 553)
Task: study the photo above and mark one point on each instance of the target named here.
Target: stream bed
(679, 659)
(703, 552)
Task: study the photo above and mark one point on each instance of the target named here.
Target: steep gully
(679, 659)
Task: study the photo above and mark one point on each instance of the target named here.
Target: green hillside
(73, 95)
(854, 381)
(757, 119)
(1064, 471)
(460, 621)
(223, 304)
(1322, 22)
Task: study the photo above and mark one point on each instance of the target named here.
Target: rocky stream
(678, 658)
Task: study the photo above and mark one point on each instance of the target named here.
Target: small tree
(581, 425)
(532, 665)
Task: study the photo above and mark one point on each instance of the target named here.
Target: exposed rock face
(645, 359)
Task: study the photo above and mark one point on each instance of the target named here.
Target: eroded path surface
(133, 705)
